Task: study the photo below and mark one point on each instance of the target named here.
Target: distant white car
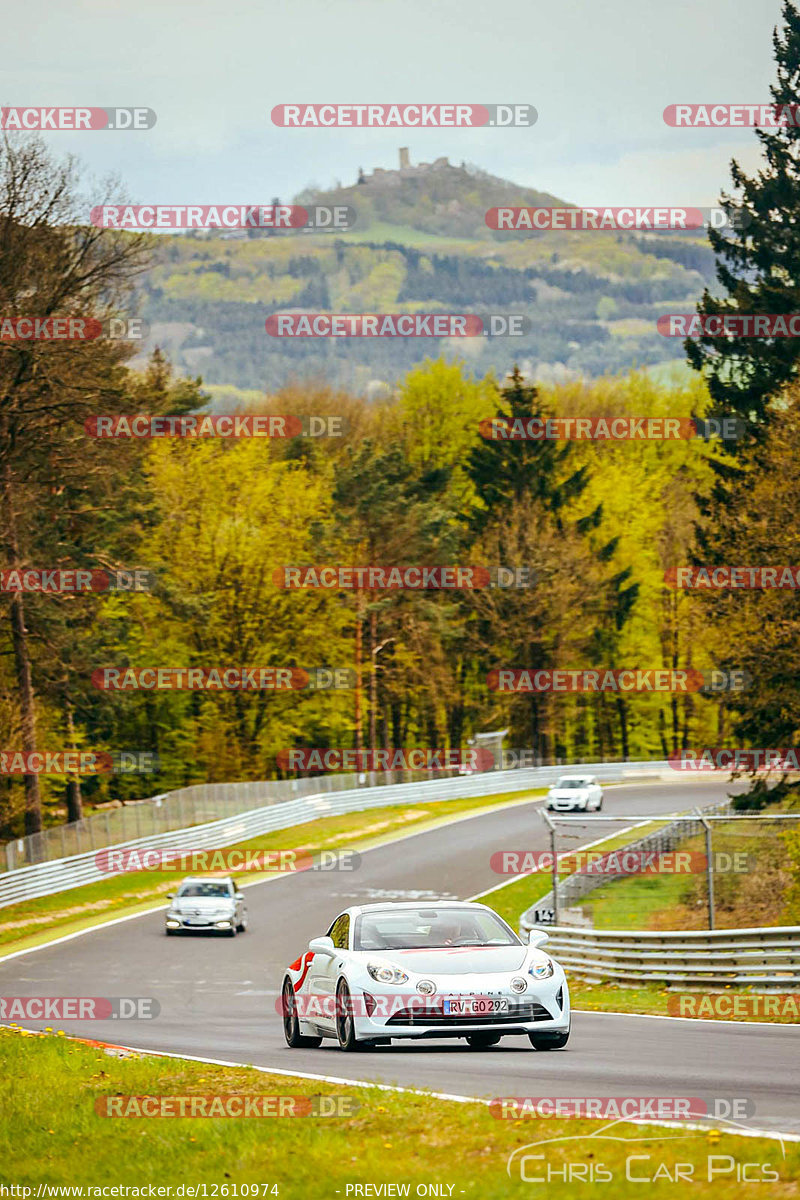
(441, 969)
(575, 793)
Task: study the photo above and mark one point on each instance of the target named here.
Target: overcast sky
(599, 74)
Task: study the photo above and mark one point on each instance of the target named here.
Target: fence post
(709, 868)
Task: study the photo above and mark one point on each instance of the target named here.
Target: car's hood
(459, 960)
(568, 793)
(202, 904)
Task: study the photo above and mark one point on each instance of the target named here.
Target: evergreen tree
(758, 264)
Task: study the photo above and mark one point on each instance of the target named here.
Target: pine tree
(758, 264)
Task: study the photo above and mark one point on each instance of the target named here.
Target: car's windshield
(572, 783)
(430, 928)
(204, 889)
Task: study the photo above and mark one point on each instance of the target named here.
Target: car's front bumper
(543, 1009)
(199, 925)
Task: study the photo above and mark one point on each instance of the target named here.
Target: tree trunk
(73, 789)
(22, 664)
(359, 738)
(373, 682)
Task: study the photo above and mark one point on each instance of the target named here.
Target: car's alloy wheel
(241, 928)
(345, 1021)
(291, 1026)
(549, 1041)
(482, 1041)
(232, 931)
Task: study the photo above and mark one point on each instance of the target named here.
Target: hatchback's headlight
(386, 973)
(541, 970)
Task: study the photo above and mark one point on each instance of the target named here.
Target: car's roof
(206, 879)
(415, 905)
(575, 777)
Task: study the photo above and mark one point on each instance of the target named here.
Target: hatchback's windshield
(430, 928)
(204, 889)
(571, 783)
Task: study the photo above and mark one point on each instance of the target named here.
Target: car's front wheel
(345, 1021)
(291, 1026)
(482, 1041)
(549, 1041)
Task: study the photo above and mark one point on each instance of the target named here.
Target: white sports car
(436, 970)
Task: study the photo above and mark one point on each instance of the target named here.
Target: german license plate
(474, 1006)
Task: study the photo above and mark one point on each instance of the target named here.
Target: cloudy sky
(599, 74)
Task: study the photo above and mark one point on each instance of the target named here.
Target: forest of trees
(411, 481)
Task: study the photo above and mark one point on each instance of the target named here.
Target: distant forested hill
(421, 244)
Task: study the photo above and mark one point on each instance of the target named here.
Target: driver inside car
(446, 933)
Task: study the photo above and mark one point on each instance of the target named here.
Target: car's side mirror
(170, 895)
(537, 937)
(238, 896)
(322, 945)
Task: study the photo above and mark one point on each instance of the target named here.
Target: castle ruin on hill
(405, 171)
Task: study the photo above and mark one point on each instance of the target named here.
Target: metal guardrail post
(709, 867)
(551, 826)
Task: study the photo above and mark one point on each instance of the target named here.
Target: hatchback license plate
(475, 1006)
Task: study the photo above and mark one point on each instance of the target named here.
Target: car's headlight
(386, 973)
(541, 970)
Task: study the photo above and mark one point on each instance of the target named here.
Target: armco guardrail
(45, 878)
(764, 958)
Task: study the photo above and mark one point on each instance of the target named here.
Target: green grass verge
(52, 1134)
(33, 922)
(755, 896)
(518, 895)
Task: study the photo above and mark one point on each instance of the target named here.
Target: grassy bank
(50, 1088)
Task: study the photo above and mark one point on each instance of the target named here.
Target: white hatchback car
(441, 969)
(572, 793)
